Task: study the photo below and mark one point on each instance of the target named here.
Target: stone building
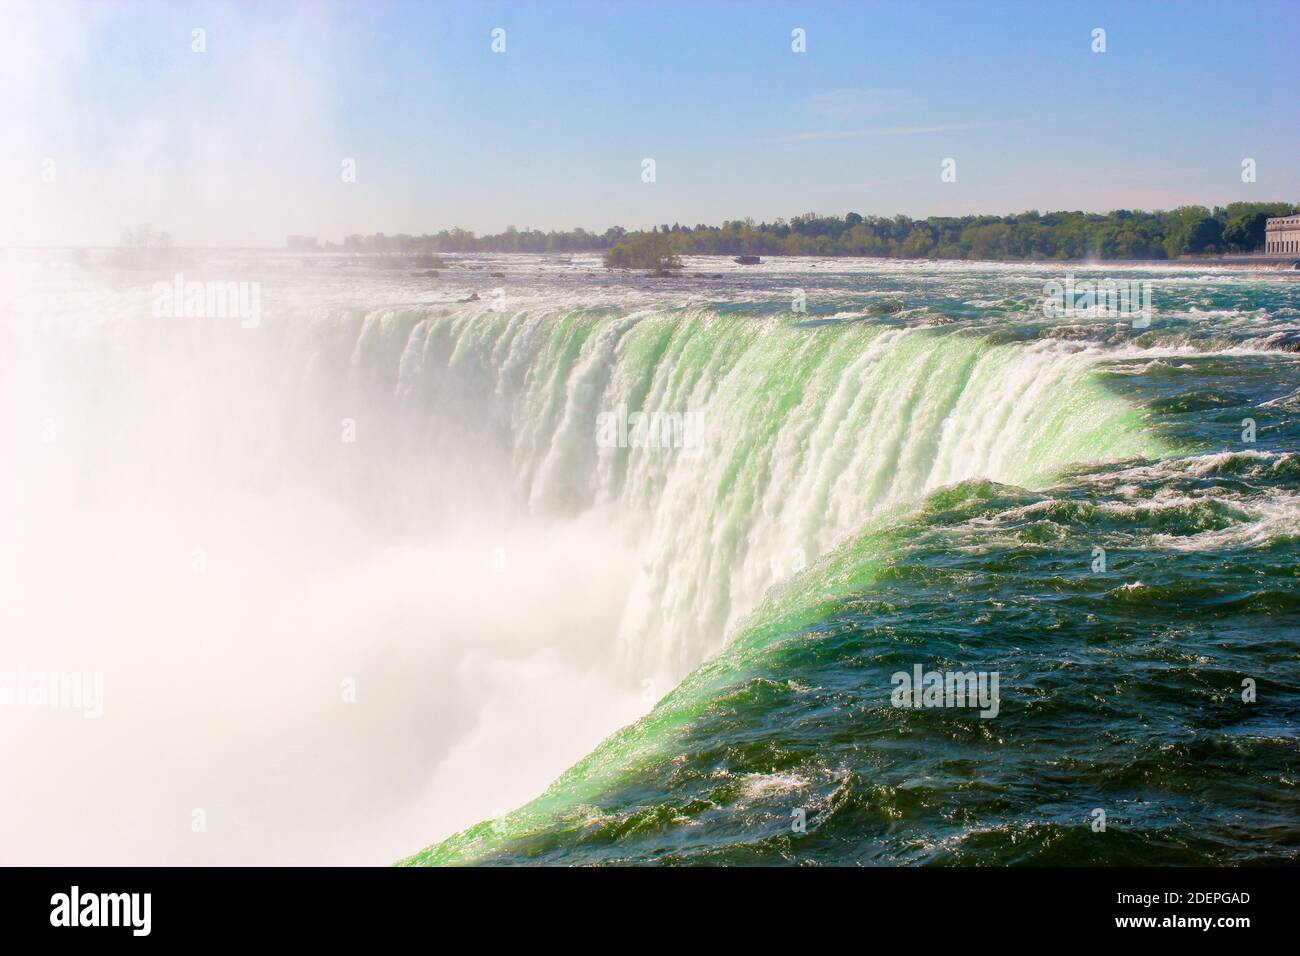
(1282, 235)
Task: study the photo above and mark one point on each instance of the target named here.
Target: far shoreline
(1259, 262)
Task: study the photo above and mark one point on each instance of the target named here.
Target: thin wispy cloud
(823, 135)
(843, 104)
(892, 181)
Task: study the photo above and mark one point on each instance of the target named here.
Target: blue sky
(244, 143)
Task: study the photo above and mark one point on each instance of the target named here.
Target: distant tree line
(1122, 234)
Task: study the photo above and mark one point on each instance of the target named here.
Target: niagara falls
(578, 454)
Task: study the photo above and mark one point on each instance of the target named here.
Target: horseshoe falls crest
(610, 569)
(800, 436)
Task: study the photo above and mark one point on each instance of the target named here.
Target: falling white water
(807, 435)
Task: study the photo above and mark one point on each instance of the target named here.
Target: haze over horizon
(114, 119)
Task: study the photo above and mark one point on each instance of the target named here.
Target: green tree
(646, 250)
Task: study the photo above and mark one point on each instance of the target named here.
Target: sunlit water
(364, 572)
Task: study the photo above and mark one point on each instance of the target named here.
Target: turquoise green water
(1069, 505)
